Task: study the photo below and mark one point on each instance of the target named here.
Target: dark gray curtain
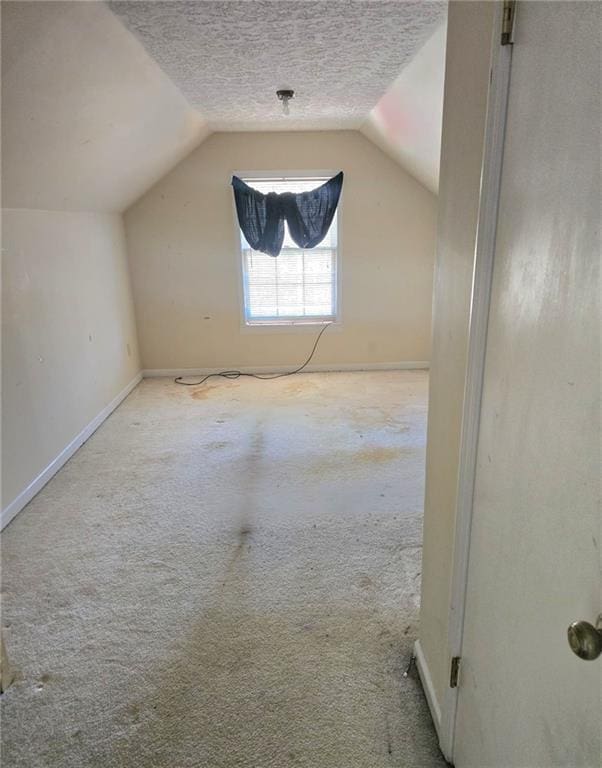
(308, 214)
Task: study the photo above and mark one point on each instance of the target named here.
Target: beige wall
(406, 121)
(68, 333)
(465, 101)
(184, 254)
(89, 120)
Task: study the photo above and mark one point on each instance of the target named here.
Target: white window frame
(301, 324)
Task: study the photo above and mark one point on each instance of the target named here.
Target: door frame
(491, 171)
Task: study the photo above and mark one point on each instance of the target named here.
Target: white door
(525, 700)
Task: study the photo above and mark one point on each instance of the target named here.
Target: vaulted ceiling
(89, 120)
(101, 100)
(406, 122)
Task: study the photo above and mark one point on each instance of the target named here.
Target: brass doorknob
(585, 639)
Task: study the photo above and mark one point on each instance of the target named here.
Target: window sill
(294, 328)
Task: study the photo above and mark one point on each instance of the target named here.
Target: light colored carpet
(226, 576)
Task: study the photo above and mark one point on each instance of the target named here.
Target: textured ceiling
(228, 57)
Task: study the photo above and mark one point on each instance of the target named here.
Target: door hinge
(454, 671)
(509, 14)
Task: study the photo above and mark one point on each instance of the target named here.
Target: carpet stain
(231, 577)
(201, 394)
(343, 460)
(45, 680)
(379, 454)
(300, 387)
(206, 391)
(133, 713)
(250, 612)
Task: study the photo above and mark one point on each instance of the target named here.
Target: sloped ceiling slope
(89, 121)
(406, 122)
(229, 58)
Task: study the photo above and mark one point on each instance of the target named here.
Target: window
(299, 286)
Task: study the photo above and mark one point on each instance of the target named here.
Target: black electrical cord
(238, 374)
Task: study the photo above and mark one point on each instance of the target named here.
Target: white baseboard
(408, 365)
(427, 685)
(15, 506)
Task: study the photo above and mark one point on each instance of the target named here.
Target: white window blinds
(297, 286)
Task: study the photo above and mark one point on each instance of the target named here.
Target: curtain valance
(308, 214)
